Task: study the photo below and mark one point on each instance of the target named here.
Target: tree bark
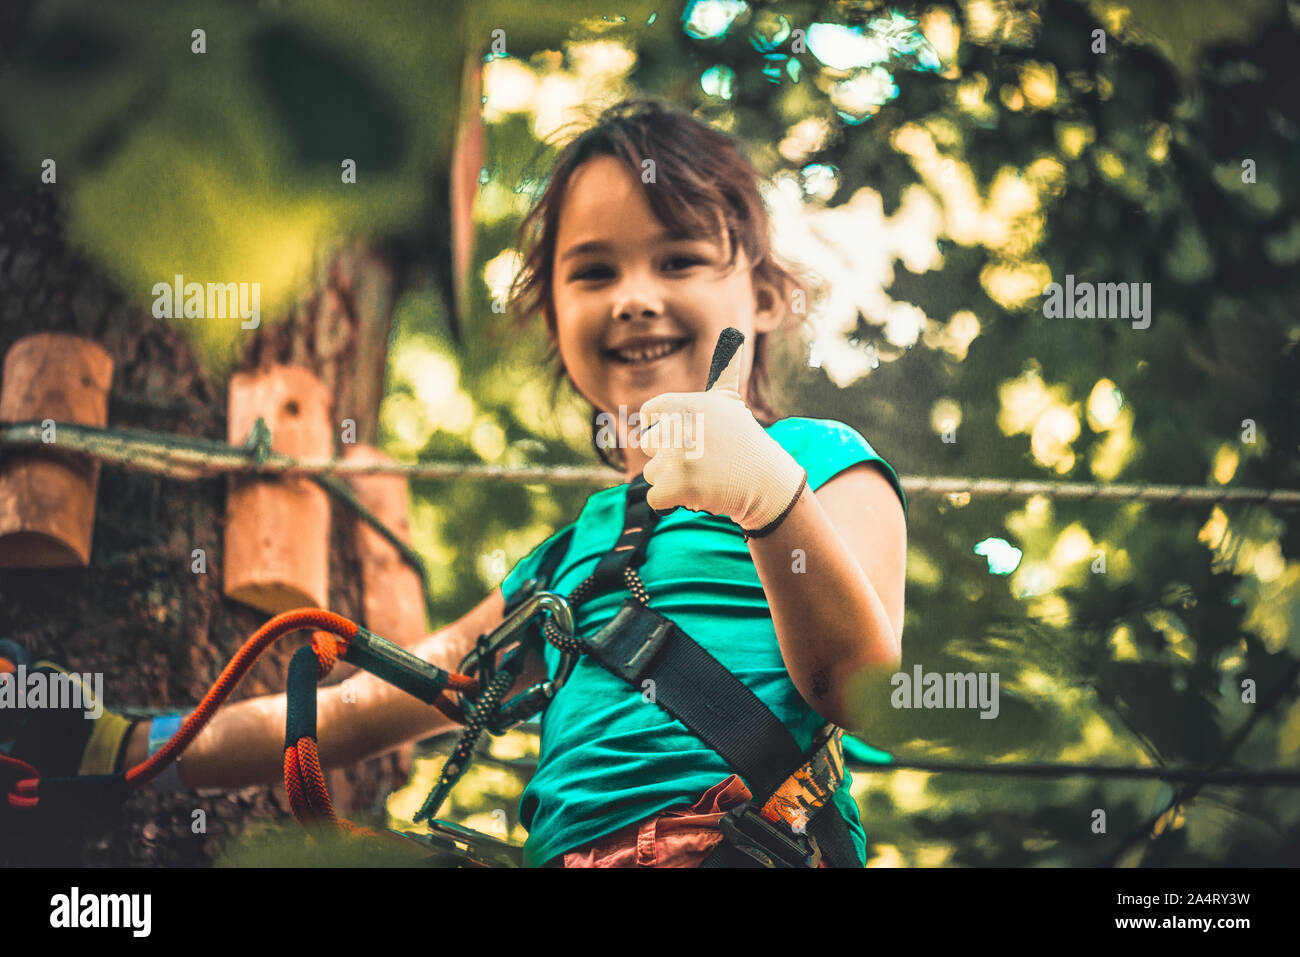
(158, 632)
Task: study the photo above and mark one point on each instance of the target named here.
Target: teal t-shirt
(608, 759)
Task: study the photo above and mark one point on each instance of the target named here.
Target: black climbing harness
(790, 821)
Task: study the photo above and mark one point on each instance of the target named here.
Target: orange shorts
(678, 837)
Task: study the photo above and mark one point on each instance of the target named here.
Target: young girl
(781, 545)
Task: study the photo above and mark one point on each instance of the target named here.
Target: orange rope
(304, 780)
(327, 654)
(313, 779)
(293, 786)
(448, 707)
(342, 631)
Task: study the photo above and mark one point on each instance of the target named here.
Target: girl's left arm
(833, 572)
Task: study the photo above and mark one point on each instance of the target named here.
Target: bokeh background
(937, 164)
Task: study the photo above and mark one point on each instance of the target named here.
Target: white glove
(709, 454)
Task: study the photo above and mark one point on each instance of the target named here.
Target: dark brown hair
(701, 179)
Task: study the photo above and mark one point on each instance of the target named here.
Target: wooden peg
(467, 162)
(277, 529)
(47, 505)
(392, 593)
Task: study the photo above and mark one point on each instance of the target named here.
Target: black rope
(1274, 778)
(1189, 791)
(344, 495)
(1173, 775)
(458, 762)
(187, 457)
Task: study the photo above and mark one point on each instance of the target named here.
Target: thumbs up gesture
(708, 453)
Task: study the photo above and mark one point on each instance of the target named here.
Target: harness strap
(800, 803)
(545, 572)
(639, 521)
(813, 785)
(640, 645)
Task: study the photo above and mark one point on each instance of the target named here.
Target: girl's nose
(637, 305)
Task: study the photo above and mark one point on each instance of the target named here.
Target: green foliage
(1137, 171)
(288, 846)
(1030, 157)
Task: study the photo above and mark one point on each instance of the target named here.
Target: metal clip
(457, 846)
(516, 710)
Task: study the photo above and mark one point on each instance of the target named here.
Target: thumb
(728, 379)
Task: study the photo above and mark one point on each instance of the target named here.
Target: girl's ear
(769, 305)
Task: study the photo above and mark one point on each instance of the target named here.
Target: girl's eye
(601, 272)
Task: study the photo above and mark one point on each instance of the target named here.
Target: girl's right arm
(358, 718)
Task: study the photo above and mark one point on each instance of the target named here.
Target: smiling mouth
(644, 355)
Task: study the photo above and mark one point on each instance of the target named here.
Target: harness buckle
(753, 835)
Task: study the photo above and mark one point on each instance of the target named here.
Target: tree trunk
(158, 632)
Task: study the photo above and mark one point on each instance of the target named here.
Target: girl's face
(625, 291)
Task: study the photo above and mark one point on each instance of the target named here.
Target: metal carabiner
(519, 708)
